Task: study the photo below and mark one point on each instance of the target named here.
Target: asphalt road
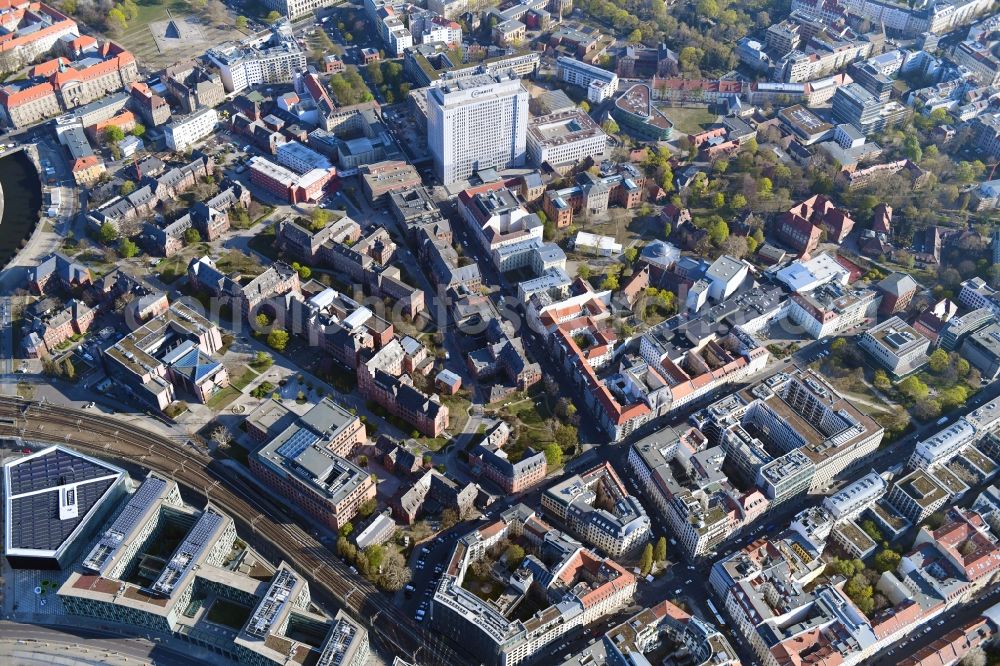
(39, 644)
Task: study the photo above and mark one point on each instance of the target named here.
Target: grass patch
(175, 409)
(170, 270)
(690, 120)
(244, 379)
(264, 243)
(26, 391)
(433, 443)
(458, 411)
(484, 588)
(228, 614)
(235, 261)
(221, 400)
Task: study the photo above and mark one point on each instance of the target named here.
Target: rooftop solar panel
(190, 550)
(50, 495)
(56, 468)
(298, 442)
(126, 522)
(35, 522)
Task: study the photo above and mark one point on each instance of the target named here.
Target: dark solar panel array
(148, 493)
(53, 469)
(35, 518)
(188, 552)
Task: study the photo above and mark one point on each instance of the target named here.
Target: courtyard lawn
(244, 379)
(690, 120)
(221, 400)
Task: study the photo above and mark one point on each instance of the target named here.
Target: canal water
(21, 202)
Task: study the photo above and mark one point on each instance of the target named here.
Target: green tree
(375, 555)
(646, 561)
(116, 20)
(514, 555)
(368, 507)
(881, 380)
(318, 218)
(566, 437)
(191, 236)
(107, 233)
(886, 560)
(689, 59)
(718, 232)
(548, 230)
(553, 455)
(242, 22)
(375, 73)
(130, 9)
(913, 388)
(126, 188)
(610, 283)
(660, 554)
(738, 202)
(707, 8)
(304, 272)
(263, 321)
(630, 254)
(585, 106)
(583, 271)
(938, 361)
(635, 36)
(277, 339)
(69, 371)
(953, 397)
(911, 148)
(139, 130)
(272, 17)
(765, 187)
(127, 249)
(718, 200)
(113, 134)
(872, 530)
(610, 126)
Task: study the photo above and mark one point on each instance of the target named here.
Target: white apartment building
(565, 137)
(976, 294)
(295, 8)
(251, 62)
(187, 130)
(430, 29)
(896, 346)
(395, 34)
(600, 84)
(300, 158)
(856, 497)
(943, 446)
(476, 123)
(831, 309)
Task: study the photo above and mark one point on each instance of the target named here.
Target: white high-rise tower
(476, 123)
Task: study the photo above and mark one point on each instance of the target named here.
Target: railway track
(107, 437)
